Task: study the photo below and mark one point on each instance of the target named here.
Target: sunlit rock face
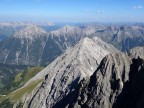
(63, 74)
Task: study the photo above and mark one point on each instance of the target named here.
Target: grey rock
(63, 74)
(21, 47)
(25, 47)
(137, 52)
(105, 85)
(122, 37)
(30, 32)
(117, 83)
(34, 46)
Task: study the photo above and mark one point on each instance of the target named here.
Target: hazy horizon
(72, 10)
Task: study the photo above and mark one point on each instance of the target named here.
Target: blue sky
(72, 10)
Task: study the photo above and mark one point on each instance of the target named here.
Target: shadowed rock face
(132, 95)
(105, 84)
(108, 81)
(117, 83)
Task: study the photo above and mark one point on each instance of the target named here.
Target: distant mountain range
(33, 45)
(7, 29)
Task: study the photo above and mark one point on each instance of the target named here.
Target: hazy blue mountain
(33, 45)
(123, 37)
(7, 29)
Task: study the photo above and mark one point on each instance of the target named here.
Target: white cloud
(138, 7)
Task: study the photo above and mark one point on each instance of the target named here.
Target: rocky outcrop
(132, 95)
(137, 52)
(117, 83)
(63, 75)
(105, 84)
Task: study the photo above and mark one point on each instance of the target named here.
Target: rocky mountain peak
(30, 31)
(137, 52)
(68, 70)
(68, 27)
(67, 30)
(104, 86)
(117, 83)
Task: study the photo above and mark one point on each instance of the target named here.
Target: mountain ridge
(117, 83)
(52, 44)
(62, 77)
(30, 32)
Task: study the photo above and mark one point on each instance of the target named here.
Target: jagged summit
(117, 83)
(74, 30)
(25, 47)
(71, 30)
(30, 31)
(21, 48)
(104, 86)
(93, 48)
(68, 70)
(66, 27)
(137, 52)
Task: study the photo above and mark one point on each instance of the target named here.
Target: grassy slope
(9, 100)
(20, 79)
(7, 73)
(19, 93)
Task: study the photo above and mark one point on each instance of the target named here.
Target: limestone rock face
(34, 46)
(123, 37)
(31, 32)
(117, 83)
(63, 75)
(137, 52)
(25, 47)
(106, 83)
